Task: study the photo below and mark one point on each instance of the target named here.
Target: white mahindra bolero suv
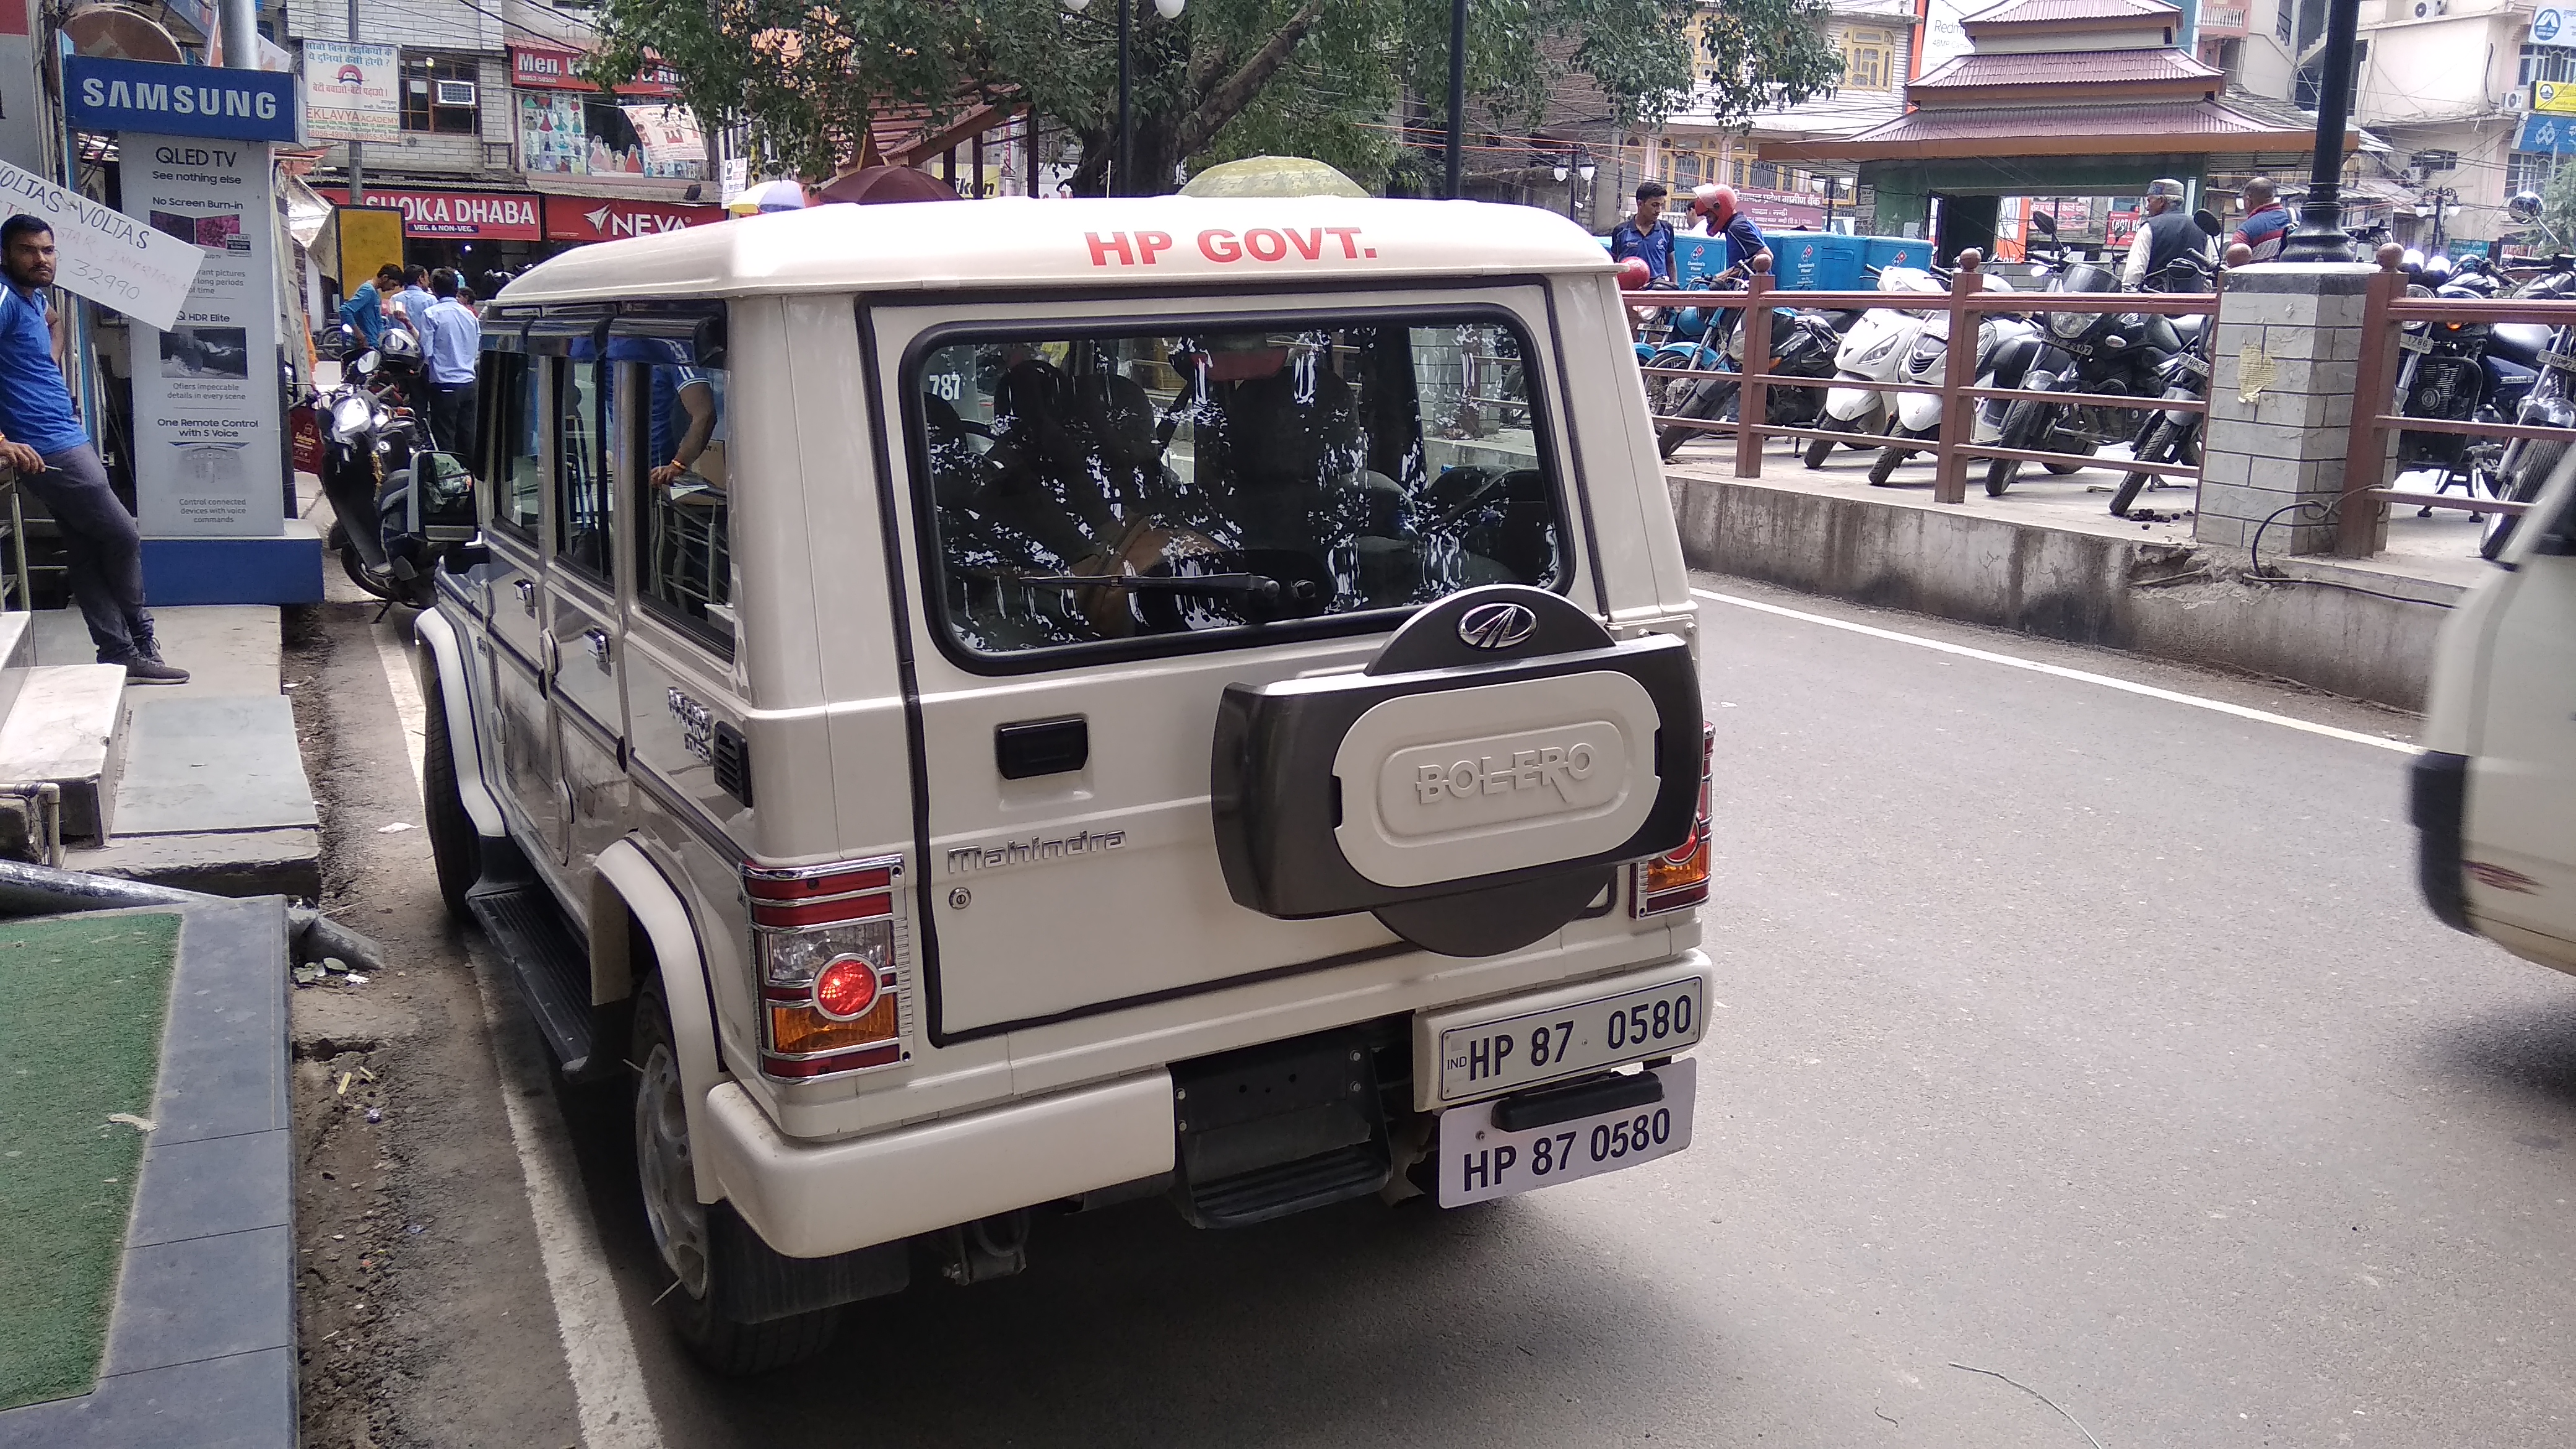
(1172, 697)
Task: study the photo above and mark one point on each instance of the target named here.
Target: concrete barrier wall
(2191, 603)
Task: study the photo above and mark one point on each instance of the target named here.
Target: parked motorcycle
(1803, 343)
(2173, 436)
(2526, 464)
(2462, 372)
(1874, 351)
(2113, 354)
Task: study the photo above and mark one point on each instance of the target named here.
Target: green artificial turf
(81, 1004)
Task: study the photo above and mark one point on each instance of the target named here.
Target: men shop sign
(546, 68)
(476, 215)
(591, 218)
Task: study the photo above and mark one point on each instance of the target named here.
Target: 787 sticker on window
(1485, 1058)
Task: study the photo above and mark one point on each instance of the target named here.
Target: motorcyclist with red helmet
(1714, 210)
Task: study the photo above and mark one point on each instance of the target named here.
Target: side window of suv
(681, 439)
(583, 516)
(510, 384)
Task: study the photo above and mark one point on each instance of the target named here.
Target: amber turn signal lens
(796, 1031)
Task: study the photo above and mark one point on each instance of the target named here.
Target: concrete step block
(17, 655)
(210, 764)
(64, 726)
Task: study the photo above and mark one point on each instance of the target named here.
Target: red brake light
(846, 989)
(1678, 879)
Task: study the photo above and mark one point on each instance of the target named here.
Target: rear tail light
(828, 946)
(1678, 880)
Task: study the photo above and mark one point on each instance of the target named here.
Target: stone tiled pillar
(2280, 404)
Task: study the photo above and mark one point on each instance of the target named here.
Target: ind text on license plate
(1489, 1057)
(1480, 1161)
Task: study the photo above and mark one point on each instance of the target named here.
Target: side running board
(553, 967)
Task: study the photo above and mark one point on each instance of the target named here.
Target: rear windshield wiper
(1255, 588)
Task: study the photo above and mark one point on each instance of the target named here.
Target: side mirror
(2207, 220)
(2524, 208)
(2043, 223)
(365, 362)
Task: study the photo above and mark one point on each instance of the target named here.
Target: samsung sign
(178, 100)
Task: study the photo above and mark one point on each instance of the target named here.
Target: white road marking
(607, 1382)
(2126, 686)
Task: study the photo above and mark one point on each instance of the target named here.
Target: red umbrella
(887, 183)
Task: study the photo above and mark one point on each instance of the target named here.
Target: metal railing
(1953, 447)
(2385, 312)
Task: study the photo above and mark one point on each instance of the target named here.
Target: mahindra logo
(1497, 626)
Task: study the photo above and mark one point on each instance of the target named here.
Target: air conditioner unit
(456, 93)
(2517, 100)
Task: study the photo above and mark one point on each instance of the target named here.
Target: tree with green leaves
(1225, 78)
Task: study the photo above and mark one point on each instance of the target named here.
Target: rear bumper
(810, 1201)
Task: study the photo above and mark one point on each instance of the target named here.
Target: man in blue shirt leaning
(365, 307)
(451, 339)
(42, 442)
(1646, 235)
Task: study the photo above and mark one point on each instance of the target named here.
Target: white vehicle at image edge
(2495, 789)
(1173, 698)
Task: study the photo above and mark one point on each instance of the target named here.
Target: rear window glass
(1108, 486)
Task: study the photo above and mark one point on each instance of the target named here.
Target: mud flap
(1475, 788)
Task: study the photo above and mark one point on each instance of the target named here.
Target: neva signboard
(178, 100)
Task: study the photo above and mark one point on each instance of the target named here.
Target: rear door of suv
(1278, 483)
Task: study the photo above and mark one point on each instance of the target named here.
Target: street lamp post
(1124, 158)
(2320, 237)
(1574, 176)
(1457, 94)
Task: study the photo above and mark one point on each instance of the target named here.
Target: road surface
(2086, 1036)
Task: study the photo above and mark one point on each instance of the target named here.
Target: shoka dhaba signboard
(479, 215)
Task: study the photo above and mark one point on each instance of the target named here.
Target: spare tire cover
(1476, 787)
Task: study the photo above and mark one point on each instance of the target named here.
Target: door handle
(598, 646)
(527, 595)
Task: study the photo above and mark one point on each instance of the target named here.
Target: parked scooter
(2101, 353)
(1918, 414)
(1874, 351)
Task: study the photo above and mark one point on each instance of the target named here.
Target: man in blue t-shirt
(1646, 235)
(42, 442)
(1717, 211)
(365, 308)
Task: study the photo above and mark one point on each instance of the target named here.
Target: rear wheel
(1886, 466)
(1818, 450)
(2158, 448)
(455, 849)
(2020, 430)
(699, 1240)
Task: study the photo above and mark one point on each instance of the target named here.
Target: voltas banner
(107, 256)
(590, 218)
(350, 92)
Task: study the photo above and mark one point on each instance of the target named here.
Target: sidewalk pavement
(2048, 558)
(205, 781)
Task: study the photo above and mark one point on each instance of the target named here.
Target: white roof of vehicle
(1017, 241)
